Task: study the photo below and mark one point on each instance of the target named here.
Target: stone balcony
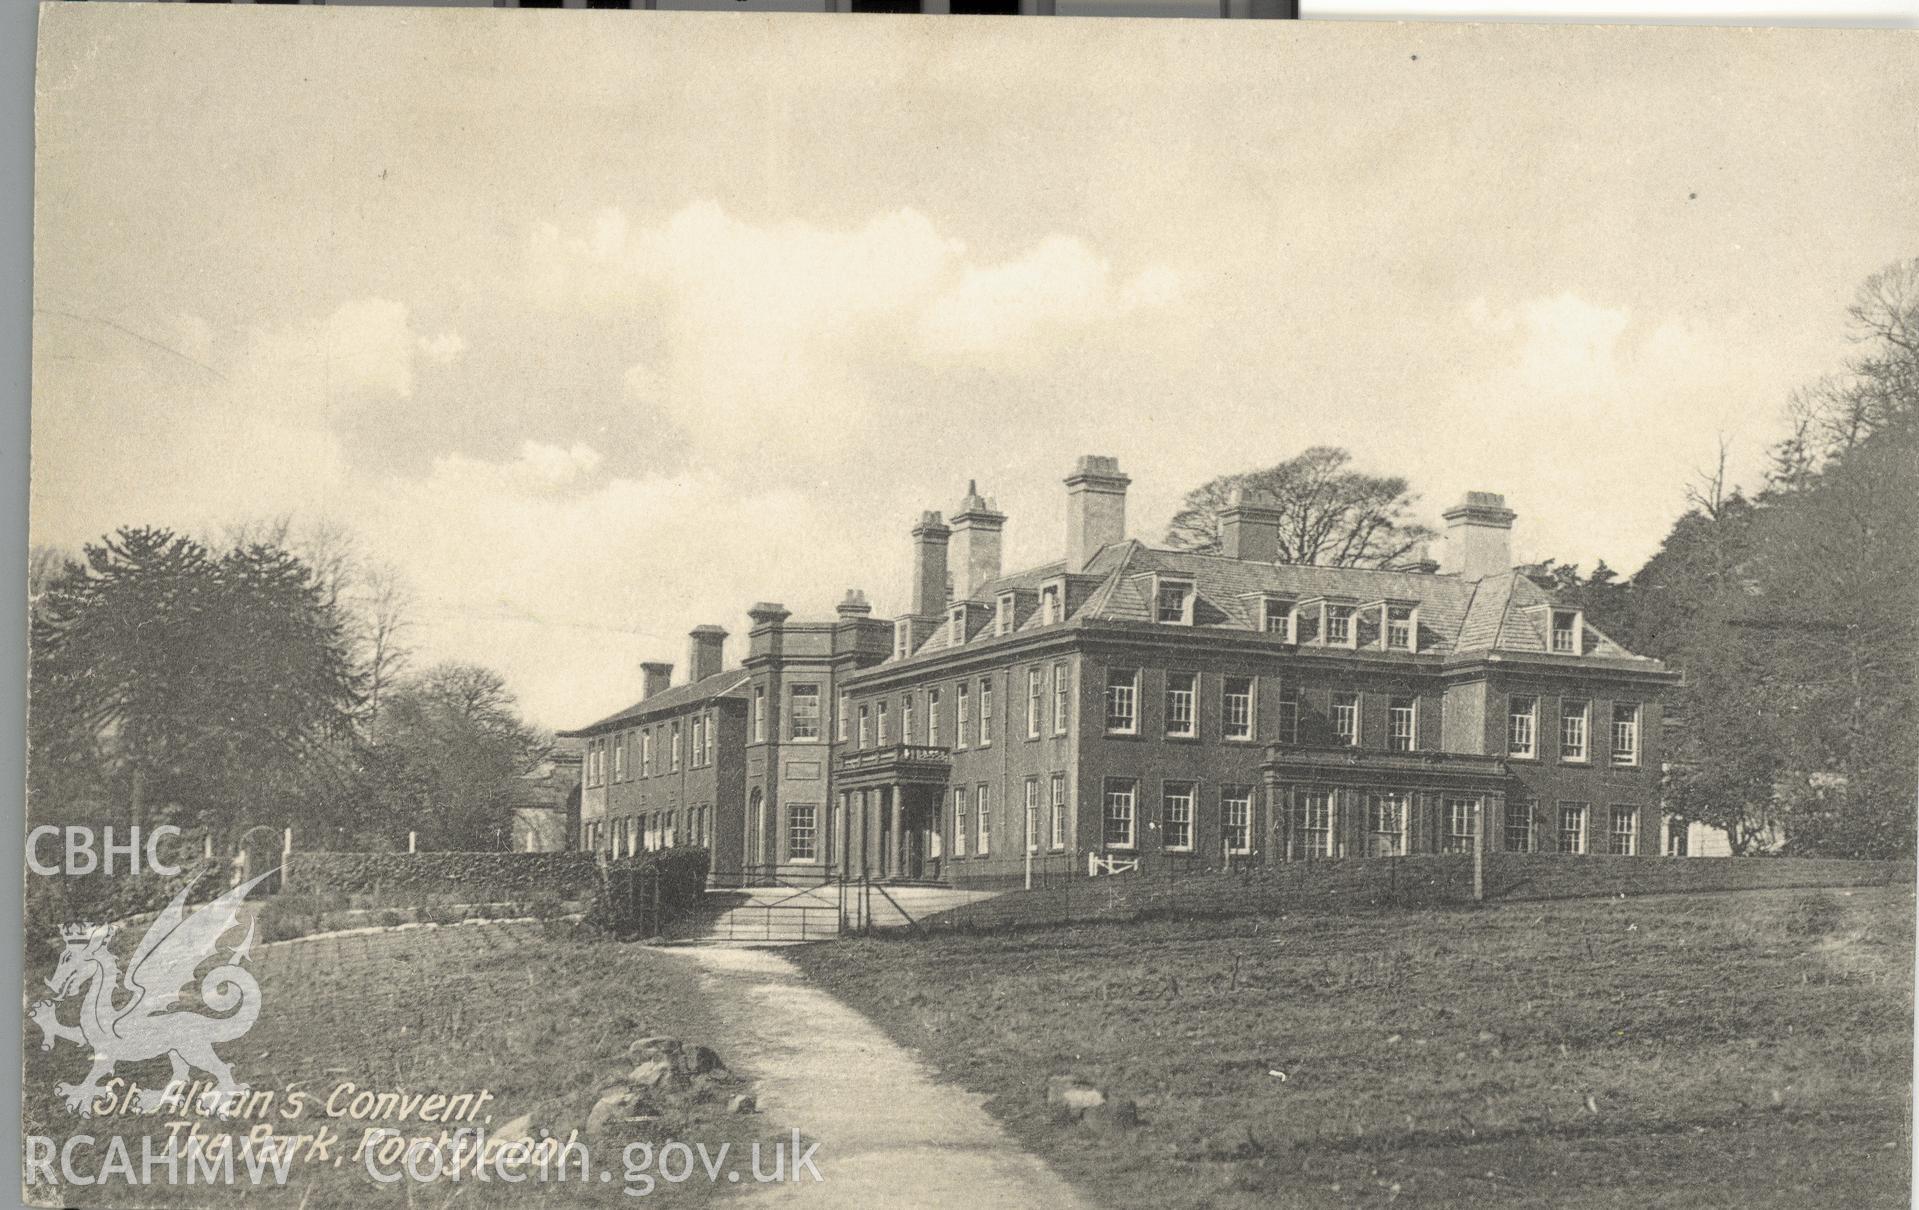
(898, 764)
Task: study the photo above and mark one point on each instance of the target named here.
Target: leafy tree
(160, 673)
(1791, 613)
(1332, 515)
(1602, 595)
(455, 734)
(371, 599)
(1837, 580)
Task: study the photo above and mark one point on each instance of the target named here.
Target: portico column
(899, 835)
(866, 844)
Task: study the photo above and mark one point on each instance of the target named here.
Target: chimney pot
(768, 613)
(854, 604)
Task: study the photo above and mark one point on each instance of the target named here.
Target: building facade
(1134, 704)
(1131, 704)
(668, 769)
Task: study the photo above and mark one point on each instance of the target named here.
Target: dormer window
(1568, 626)
(1277, 617)
(1339, 625)
(1003, 614)
(1173, 602)
(1049, 605)
(902, 639)
(1402, 627)
(956, 626)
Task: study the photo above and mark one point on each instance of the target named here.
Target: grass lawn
(1744, 1049)
(522, 1011)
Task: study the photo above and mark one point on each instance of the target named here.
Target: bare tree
(1329, 514)
(385, 602)
(371, 598)
(1708, 490)
(1878, 390)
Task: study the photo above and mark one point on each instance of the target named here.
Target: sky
(601, 328)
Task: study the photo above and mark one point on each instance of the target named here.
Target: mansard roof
(729, 684)
(1498, 614)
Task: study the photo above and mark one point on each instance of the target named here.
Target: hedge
(472, 877)
(1427, 880)
(642, 895)
(1572, 876)
(56, 900)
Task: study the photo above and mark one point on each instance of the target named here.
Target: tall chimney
(1478, 537)
(929, 565)
(1249, 527)
(1095, 508)
(705, 652)
(976, 539)
(655, 676)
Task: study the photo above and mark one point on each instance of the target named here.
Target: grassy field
(522, 1011)
(1745, 1049)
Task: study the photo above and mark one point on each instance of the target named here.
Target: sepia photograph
(892, 610)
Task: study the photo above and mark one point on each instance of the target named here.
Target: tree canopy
(170, 683)
(164, 673)
(1791, 612)
(1331, 514)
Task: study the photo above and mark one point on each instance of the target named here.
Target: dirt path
(890, 1134)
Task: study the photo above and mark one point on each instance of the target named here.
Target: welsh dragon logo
(145, 1024)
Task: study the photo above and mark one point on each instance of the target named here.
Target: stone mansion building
(1127, 702)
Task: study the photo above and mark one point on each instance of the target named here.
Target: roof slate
(731, 684)
(1455, 615)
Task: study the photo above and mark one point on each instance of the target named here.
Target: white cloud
(595, 579)
(1565, 344)
(1560, 398)
(1059, 283)
(443, 349)
(767, 327)
(366, 347)
(540, 467)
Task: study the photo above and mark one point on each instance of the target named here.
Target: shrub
(56, 900)
(643, 894)
(293, 914)
(440, 913)
(1814, 915)
(545, 906)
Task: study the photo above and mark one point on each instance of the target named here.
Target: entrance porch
(886, 813)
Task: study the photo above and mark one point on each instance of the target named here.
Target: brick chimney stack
(1095, 509)
(976, 544)
(1249, 528)
(1479, 537)
(705, 652)
(655, 676)
(930, 537)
